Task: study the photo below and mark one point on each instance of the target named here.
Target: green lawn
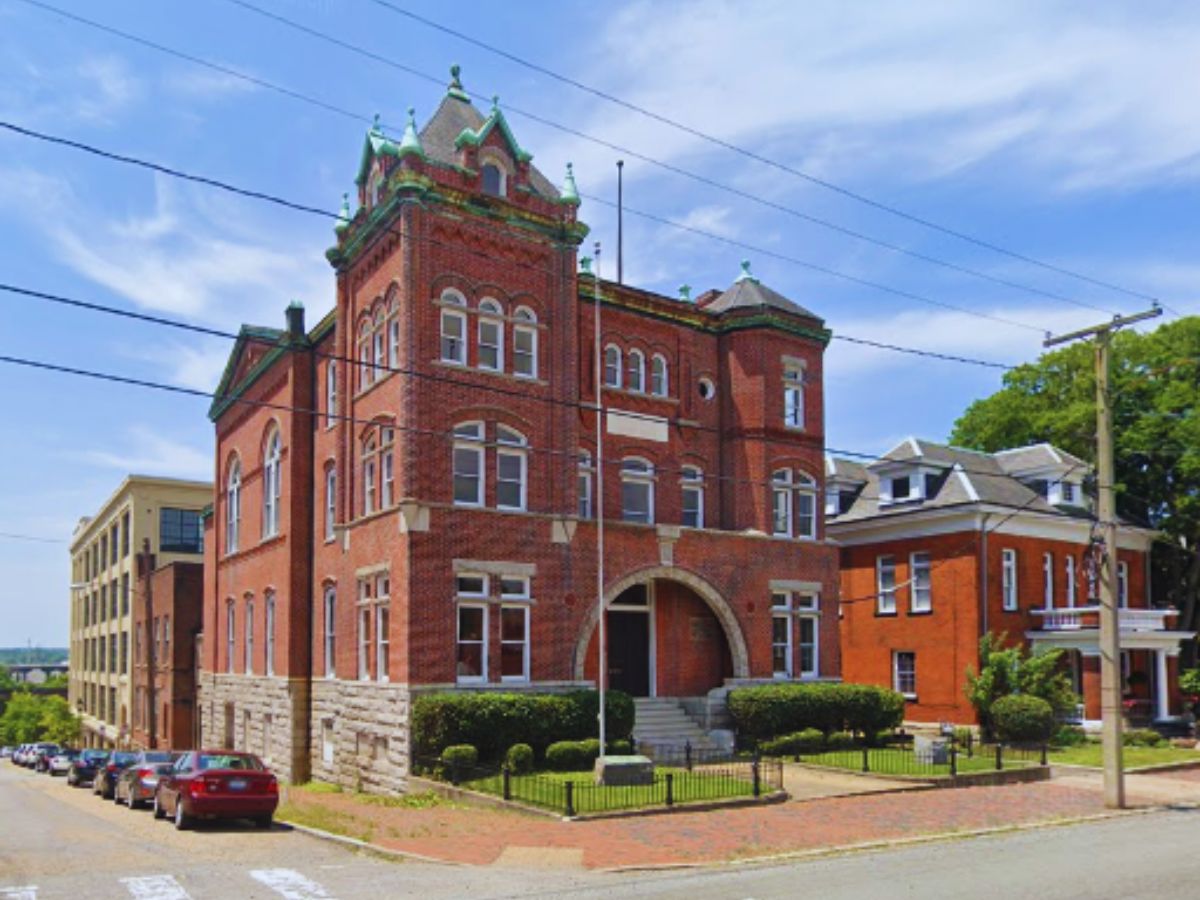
(548, 789)
(890, 761)
(1090, 755)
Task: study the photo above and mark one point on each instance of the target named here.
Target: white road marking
(155, 887)
(290, 884)
(27, 892)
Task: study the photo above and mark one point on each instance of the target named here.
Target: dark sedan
(106, 775)
(83, 769)
(136, 783)
(217, 784)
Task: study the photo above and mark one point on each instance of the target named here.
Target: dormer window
(493, 180)
(1062, 493)
(833, 500)
(911, 486)
(901, 488)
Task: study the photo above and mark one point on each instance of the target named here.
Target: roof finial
(585, 265)
(375, 126)
(456, 89)
(411, 143)
(495, 103)
(570, 191)
(685, 293)
(344, 215)
(746, 275)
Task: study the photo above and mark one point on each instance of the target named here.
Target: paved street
(59, 842)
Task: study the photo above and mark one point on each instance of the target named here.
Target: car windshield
(95, 755)
(162, 756)
(207, 761)
(123, 759)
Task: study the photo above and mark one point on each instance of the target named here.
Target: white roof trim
(966, 482)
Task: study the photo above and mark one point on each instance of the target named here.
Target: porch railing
(1088, 617)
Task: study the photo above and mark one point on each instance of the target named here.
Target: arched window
(584, 489)
(375, 185)
(635, 371)
(525, 343)
(269, 631)
(364, 355)
(490, 355)
(369, 469)
(793, 396)
(692, 482)
(248, 665)
(233, 507)
(511, 465)
(493, 180)
(330, 501)
(468, 464)
(330, 393)
(658, 376)
(271, 488)
(454, 329)
(393, 331)
(230, 633)
(612, 366)
(794, 504)
(387, 474)
(377, 337)
(330, 631)
(637, 490)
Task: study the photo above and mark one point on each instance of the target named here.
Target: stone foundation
(360, 735)
(260, 715)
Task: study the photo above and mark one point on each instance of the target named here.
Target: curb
(376, 849)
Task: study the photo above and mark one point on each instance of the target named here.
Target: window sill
(493, 373)
(641, 395)
(908, 698)
(362, 392)
(920, 612)
(885, 614)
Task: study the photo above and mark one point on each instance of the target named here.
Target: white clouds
(205, 85)
(146, 451)
(114, 88)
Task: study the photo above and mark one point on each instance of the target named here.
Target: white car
(60, 763)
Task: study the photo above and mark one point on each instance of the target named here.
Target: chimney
(295, 319)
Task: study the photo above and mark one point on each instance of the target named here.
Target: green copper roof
(455, 89)
(410, 143)
(494, 120)
(343, 216)
(745, 275)
(569, 192)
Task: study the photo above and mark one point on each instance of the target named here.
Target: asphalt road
(59, 842)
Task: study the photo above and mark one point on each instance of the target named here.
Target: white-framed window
(1069, 564)
(331, 396)
(387, 475)
(330, 501)
(612, 366)
(368, 468)
(781, 503)
(271, 486)
(781, 635)
(230, 635)
(378, 360)
(364, 642)
(1048, 580)
(393, 331)
(809, 635)
(248, 662)
(269, 631)
(1008, 579)
(659, 384)
(233, 507)
(635, 371)
(330, 632)
(525, 343)
(692, 483)
(584, 484)
(493, 179)
(382, 639)
(885, 585)
(471, 657)
(454, 330)
(793, 396)
(511, 464)
(514, 643)
(490, 353)
(468, 464)
(470, 584)
(904, 673)
(514, 587)
(637, 490)
(1122, 584)
(793, 504)
(921, 573)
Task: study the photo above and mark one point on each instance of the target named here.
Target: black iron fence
(577, 793)
(939, 759)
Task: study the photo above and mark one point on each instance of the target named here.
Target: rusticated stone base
(360, 735)
(258, 714)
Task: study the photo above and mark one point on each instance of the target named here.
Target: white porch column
(1160, 659)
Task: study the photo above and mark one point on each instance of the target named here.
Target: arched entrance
(669, 634)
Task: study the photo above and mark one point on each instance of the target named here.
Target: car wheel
(133, 802)
(159, 812)
(263, 822)
(182, 820)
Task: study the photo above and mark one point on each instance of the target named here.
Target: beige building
(104, 588)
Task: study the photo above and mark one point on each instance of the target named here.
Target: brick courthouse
(406, 493)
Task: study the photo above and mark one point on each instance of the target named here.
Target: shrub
(1141, 737)
(1023, 717)
(841, 740)
(620, 748)
(572, 756)
(964, 736)
(494, 721)
(460, 756)
(519, 759)
(1069, 736)
(766, 711)
(810, 740)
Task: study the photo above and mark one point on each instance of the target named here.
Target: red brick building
(165, 642)
(942, 545)
(407, 493)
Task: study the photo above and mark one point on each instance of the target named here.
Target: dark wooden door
(629, 652)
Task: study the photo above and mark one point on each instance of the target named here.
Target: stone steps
(662, 721)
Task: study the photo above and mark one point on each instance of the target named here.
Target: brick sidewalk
(479, 836)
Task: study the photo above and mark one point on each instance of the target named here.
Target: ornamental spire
(746, 275)
(456, 89)
(570, 191)
(344, 215)
(411, 142)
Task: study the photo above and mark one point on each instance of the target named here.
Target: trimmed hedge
(1023, 717)
(519, 759)
(1142, 737)
(842, 740)
(810, 740)
(494, 721)
(462, 756)
(767, 711)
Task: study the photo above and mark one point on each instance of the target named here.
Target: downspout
(983, 575)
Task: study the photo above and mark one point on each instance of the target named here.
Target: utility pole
(1106, 513)
(147, 563)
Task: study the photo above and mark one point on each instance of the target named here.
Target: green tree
(21, 722)
(1007, 670)
(57, 722)
(1156, 399)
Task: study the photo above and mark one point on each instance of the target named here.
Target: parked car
(60, 762)
(41, 756)
(135, 785)
(6, 752)
(106, 775)
(18, 753)
(217, 784)
(83, 769)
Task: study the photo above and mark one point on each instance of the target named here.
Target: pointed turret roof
(747, 292)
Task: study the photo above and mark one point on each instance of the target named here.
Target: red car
(217, 784)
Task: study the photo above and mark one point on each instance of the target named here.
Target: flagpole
(602, 648)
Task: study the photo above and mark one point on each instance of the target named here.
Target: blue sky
(1067, 138)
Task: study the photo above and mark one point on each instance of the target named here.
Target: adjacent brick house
(424, 518)
(942, 545)
(167, 637)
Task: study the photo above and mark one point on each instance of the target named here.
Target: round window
(708, 390)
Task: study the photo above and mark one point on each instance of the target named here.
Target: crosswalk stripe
(26, 892)
(155, 887)
(290, 884)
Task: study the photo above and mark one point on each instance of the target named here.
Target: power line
(757, 157)
(297, 95)
(10, 536)
(312, 210)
